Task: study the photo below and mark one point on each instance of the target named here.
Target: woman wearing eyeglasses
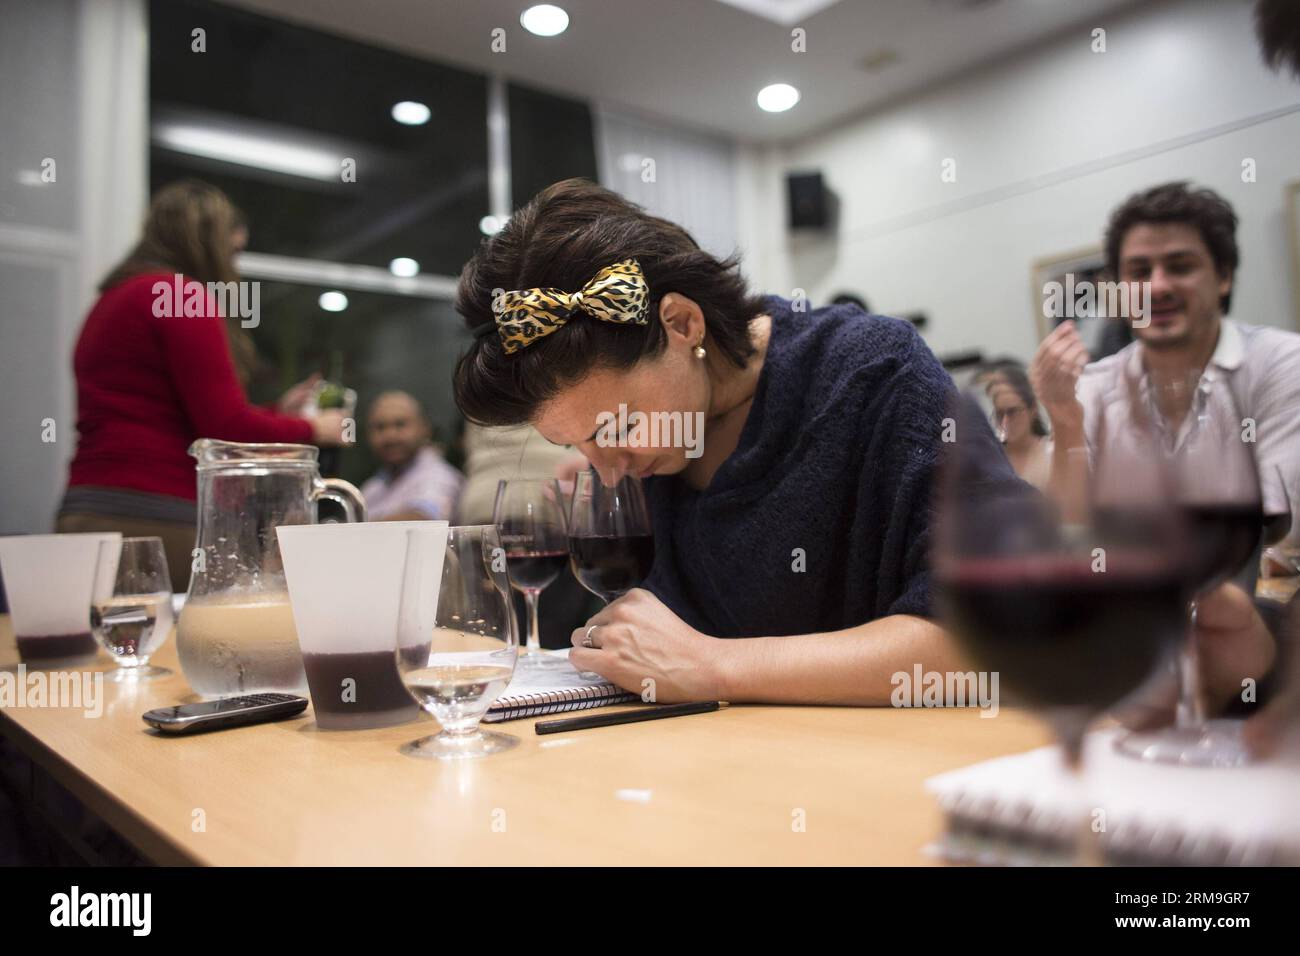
(791, 543)
(1020, 426)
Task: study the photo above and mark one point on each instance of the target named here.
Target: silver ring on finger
(587, 641)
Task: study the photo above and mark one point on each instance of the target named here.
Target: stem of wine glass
(460, 734)
(1190, 714)
(534, 635)
(1071, 728)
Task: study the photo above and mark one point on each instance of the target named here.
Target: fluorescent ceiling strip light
(339, 275)
(245, 150)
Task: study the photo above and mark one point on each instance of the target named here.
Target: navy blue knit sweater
(835, 464)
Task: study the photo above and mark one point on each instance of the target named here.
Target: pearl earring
(699, 350)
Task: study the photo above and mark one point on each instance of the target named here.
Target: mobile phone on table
(227, 712)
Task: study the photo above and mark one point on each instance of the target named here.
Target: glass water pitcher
(236, 634)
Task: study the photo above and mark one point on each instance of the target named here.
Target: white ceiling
(700, 63)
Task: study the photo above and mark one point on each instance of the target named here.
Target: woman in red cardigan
(151, 380)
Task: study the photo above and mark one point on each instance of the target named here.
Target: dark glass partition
(271, 111)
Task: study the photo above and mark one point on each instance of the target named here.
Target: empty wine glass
(529, 514)
(457, 663)
(611, 548)
(1208, 451)
(131, 605)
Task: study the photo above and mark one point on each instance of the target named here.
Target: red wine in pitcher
(359, 689)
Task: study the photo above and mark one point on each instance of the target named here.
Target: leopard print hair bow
(617, 293)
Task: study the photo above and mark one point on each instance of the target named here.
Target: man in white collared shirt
(1183, 242)
(1254, 368)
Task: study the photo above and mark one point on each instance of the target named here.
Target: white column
(74, 95)
(114, 134)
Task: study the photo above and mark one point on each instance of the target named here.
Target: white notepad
(532, 693)
(1009, 809)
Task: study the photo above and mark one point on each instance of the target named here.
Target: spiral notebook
(554, 691)
(1026, 809)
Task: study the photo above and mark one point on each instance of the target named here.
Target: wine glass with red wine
(529, 515)
(1073, 606)
(1209, 452)
(611, 548)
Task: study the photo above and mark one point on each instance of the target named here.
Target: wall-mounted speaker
(809, 201)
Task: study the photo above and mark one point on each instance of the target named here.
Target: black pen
(655, 712)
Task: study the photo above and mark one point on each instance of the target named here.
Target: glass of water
(131, 605)
(458, 666)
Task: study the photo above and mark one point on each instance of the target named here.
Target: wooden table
(723, 788)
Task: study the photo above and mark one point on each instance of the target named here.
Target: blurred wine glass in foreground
(1073, 616)
(1216, 487)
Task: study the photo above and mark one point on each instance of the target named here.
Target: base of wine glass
(539, 660)
(126, 675)
(1218, 744)
(447, 746)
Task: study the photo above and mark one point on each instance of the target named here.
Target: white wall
(690, 178)
(1045, 145)
(73, 90)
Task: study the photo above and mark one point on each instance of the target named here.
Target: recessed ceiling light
(544, 20)
(490, 225)
(333, 301)
(404, 268)
(777, 98)
(411, 113)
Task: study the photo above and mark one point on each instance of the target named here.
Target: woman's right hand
(327, 427)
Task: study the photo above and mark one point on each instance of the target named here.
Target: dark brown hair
(1015, 377)
(561, 239)
(1204, 209)
(189, 229)
(1277, 22)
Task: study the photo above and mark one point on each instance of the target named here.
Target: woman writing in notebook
(792, 541)
(791, 544)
